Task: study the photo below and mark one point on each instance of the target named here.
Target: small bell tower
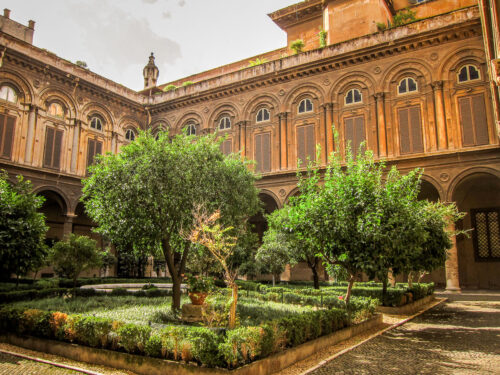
(150, 73)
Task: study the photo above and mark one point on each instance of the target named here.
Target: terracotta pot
(197, 298)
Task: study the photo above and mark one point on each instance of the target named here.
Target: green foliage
(153, 346)
(197, 283)
(133, 338)
(187, 83)
(82, 64)
(93, 331)
(297, 46)
(169, 88)
(75, 255)
(404, 17)
(322, 38)
(381, 26)
(22, 228)
(257, 61)
(205, 346)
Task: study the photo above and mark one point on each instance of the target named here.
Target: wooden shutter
(90, 151)
(410, 130)
(473, 120)
(98, 148)
(301, 144)
(305, 143)
(49, 147)
(263, 152)
(7, 124)
(258, 152)
(310, 144)
(226, 147)
(354, 132)
(56, 158)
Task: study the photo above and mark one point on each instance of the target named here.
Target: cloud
(182, 3)
(166, 15)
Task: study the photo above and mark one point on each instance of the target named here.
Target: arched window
(130, 135)
(7, 93)
(263, 115)
(225, 123)
(468, 73)
(55, 109)
(191, 129)
(96, 123)
(305, 105)
(407, 85)
(160, 127)
(353, 96)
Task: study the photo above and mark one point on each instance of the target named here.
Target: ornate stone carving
(377, 70)
(444, 176)
(281, 92)
(434, 56)
(326, 82)
(282, 192)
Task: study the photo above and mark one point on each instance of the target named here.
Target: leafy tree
(22, 228)
(75, 255)
(145, 195)
(274, 254)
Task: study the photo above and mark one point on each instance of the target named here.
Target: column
(74, 148)
(328, 107)
(442, 142)
(451, 265)
(113, 142)
(31, 134)
(381, 133)
(283, 140)
(68, 224)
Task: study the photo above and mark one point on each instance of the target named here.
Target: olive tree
(145, 195)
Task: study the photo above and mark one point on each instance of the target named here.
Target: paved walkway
(11, 365)
(461, 336)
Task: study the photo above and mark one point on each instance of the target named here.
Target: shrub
(204, 346)
(57, 323)
(297, 46)
(322, 38)
(9, 319)
(23, 295)
(403, 17)
(241, 345)
(381, 26)
(133, 338)
(92, 331)
(153, 346)
(187, 83)
(119, 292)
(169, 88)
(173, 341)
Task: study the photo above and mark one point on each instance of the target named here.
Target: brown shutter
(480, 121)
(266, 152)
(258, 152)
(8, 138)
(229, 146)
(56, 156)
(310, 145)
(416, 130)
(359, 131)
(349, 134)
(49, 147)
(301, 145)
(464, 105)
(2, 128)
(404, 131)
(98, 148)
(90, 151)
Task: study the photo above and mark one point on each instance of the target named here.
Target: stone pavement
(461, 336)
(11, 365)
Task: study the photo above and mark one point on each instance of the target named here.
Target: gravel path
(461, 336)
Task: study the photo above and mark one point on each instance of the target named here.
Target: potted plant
(198, 288)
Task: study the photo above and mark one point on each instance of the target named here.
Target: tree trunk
(176, 270)
(315, 277)
(410, 279)
(385, 281)
(232, 311)
(352, 277)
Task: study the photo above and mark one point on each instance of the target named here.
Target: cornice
(297, 13)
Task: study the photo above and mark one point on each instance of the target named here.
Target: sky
(115, 37)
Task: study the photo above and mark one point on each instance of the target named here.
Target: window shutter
(310, 145)
(90, 151)
(2, 128)
(56, 159)
(98, 148)
(349, 134)
(258, 152)
(466, 121)
(480, 121)
(226, 147)
(404, 131)
(301, 144)
(8, 136)
(416, 130)
(266, 152)
(49, 147)
(359, 132)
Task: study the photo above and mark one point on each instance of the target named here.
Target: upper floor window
(7, 93)
(407, 85)
(130, 135)
(191, 129)
(353, 96)
(56, 110)
(263, 115)
(96, 123)
(225, 123)
(468, 73)
(305, 105)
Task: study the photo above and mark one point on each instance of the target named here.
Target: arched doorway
(259, 222)
(477, 195)
(55, 209)
(428, 191)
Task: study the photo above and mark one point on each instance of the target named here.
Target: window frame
(467, 66)
(353, 97)
(101, 122)
(264, 111)
(130, 131)
(228, 120)
(473, 213)
(190, 125)
(305, 111)
(407, 92)
(52, 103)
(14, 91)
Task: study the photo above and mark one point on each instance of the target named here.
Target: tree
(22, 228)
(273, 255)
(145, 195)
(74, 255)
(220, 244)
(297, 46)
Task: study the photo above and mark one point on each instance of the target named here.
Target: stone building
(424, 94)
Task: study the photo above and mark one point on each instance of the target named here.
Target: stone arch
(224, 108)
(96, 108)
(159, 125)
(191, 115)
(258, 102)
(23, 87)
(352, 79)
(53, 94)
(430, 189)
(270, 204)
(414, 68)
(459, 57)
(295, 192)
(57, 195)
(458, 179)
(128, 121)
(308, 90)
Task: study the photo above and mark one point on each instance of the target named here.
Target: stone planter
(197, 298)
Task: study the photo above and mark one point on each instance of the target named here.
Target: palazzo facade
(425, 94)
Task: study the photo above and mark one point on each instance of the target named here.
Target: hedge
(205, 346)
